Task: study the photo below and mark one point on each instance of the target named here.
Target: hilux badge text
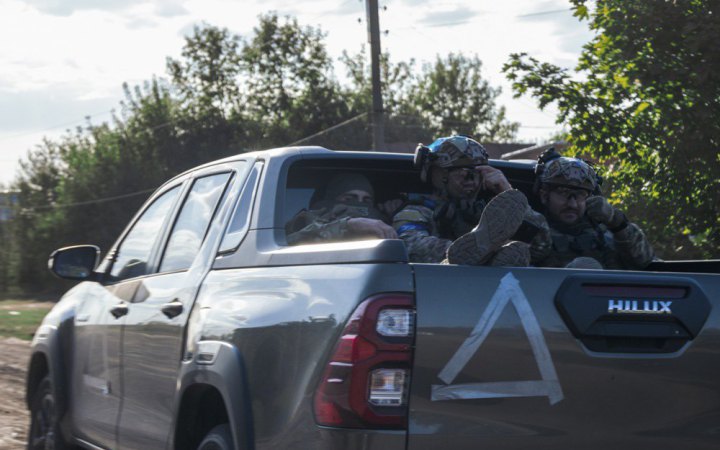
(639, 307)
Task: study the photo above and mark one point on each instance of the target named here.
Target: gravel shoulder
(14, 418)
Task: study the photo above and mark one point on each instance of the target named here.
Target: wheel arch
(47, 359)
(213, 389)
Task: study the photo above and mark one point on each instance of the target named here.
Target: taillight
(366, 381)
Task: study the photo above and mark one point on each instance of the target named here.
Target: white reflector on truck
(387, 387)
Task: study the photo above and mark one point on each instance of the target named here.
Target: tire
(44, 427)
(219, 438)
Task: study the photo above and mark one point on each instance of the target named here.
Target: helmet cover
(570, 172)
(457, 151)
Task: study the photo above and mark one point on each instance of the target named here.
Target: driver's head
(451, 163)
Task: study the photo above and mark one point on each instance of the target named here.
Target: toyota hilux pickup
(201, 328)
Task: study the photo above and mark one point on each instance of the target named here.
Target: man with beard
(586, 231)
(346, 212)
(456, 223)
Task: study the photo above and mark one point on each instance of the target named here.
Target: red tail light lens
(365, 383)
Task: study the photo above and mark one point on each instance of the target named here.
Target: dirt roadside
(14, 419)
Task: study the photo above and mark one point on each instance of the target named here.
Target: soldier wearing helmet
(456, 222)
(586, 231)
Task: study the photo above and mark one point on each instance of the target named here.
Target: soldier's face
(460, 182)
(356, 196)
(564, 204)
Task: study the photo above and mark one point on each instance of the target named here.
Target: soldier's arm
(320, 231)
(633, 247)
(414, 226)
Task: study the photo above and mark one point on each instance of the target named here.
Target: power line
(88, 202)
(66, 124)
(327, 130)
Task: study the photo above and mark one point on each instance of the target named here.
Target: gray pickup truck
(201, 328)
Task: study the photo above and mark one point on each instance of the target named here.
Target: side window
(193, 221)
(240, 221)
(134, 253)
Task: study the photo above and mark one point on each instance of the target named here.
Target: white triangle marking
(508, 291)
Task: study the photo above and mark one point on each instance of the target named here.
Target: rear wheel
(44, 430)
(219, 438)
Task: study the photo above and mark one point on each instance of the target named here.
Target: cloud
(68, 7)
(170, 8)
(447, 18)
(52, 108)
(163, 8)
(138, 23)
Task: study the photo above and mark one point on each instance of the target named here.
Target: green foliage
(289, 83)
(224, 95)
(452, 95)
(446, 97)
(645, 101)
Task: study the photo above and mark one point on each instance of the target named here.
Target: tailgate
(558, 358)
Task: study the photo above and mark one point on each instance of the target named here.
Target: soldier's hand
(599, 210)
(362, 226)
(493, 179)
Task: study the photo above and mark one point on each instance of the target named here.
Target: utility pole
(378, 119)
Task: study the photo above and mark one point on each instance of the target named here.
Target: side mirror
(74, 263)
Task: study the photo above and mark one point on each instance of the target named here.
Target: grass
(20, 318)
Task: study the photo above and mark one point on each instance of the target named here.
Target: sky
(64, 61)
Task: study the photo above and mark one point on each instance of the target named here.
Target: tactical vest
(585, 240)
(454, 218)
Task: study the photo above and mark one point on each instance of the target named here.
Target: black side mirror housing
(74, 263)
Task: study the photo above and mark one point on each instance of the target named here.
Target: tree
(452, 95)
(207, 77)
(289, 83)
(645, 101)
(446, 97)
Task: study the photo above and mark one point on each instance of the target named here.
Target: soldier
(346, 212)
(586, 231)
(456, 222)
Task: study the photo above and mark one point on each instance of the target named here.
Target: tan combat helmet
(569, 172)
(452, 151)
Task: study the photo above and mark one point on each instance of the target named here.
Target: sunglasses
(464, 173)
(579, 195)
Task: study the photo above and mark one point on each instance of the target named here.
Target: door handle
(119, 310)
(172, 309)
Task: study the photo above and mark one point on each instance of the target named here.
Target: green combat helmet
(557, 170)
(452, 151)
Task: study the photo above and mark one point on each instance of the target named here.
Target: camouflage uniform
(327, 224)
(430, 225)
(328, 220)
(625, 247)
(595, 241)
(428, 228)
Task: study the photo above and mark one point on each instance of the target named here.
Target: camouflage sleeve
(414, 226)
(319, 230)
(633, 247)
